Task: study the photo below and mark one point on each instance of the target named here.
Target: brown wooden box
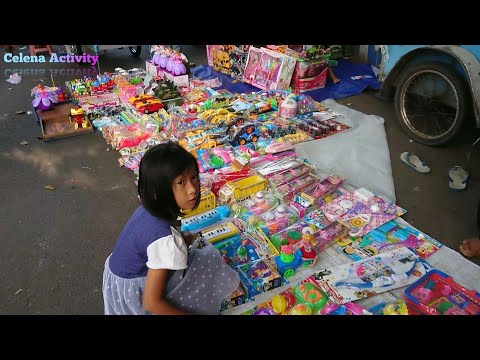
(56, 124)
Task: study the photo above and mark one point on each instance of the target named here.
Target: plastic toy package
(286, 176)
(371, 276)
(241, 189)
(210, 159)
(277, 220)
(291, 236)
(307, 298)
(259, 276)
(436, 293)
(262, 202)
(241, 251)
(290, 189)
(361, 211)
(386, 237)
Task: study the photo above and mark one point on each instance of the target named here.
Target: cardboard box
(309, 75)
(180, 80)
(268, 70)
(154, 70)
(56, 124)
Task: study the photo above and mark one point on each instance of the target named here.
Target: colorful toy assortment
(436, 293)
(307, 298)
(371, 276)
(386, 237)
(361, 211)
(264, 209)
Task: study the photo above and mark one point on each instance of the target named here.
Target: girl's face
(186, 189)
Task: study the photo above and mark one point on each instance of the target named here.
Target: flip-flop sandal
(414, 162)
(457, 178)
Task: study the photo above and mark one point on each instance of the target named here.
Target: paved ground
(53, 243)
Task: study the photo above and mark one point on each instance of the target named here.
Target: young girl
(147, 270)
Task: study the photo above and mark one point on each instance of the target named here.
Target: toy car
(136, 99)
(149, 106)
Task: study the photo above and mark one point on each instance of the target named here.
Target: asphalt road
(53, 243)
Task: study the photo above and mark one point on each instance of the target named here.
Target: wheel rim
(429, 104)
(289, 273)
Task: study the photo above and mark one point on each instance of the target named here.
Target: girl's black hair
(159, 166)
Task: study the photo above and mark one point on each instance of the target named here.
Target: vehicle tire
(423, 117)
(135, 50)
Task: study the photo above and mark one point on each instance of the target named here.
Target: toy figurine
(76, 115)
(157, 56)
(45, 99)
(178, 67)
(171, 58)
(308, 253)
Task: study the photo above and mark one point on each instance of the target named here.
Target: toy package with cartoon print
(371, 276)
(387, 237)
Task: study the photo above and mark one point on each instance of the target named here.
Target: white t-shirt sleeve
(169, 252)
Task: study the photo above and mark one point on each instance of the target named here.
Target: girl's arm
(153, 297)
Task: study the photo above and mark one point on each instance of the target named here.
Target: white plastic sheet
(360, 154)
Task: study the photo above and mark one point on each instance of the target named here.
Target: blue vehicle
(244, 134)
(436, 88)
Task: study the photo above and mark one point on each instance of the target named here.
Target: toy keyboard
(220, 232)
(207, 218)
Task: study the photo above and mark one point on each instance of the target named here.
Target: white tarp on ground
(360, 154)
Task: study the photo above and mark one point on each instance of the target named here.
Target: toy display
(241, 189)
(278, 219)
(240, 252)
(291, 235)
(259, 276)
(268, 70)
(210, 159)
(436, 293)
(288, 260)
(215, 234)
(204, 219)
(292, 188)
(386, 237)
(371, 276)
(398, 307)
(309, 75)
(264, 209)
(361, 211)
(304, 299)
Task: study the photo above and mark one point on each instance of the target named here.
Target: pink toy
(308, 252)
(178, 66)
(276, 147)
(157, 55)
(170, 61)
(163, 59)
